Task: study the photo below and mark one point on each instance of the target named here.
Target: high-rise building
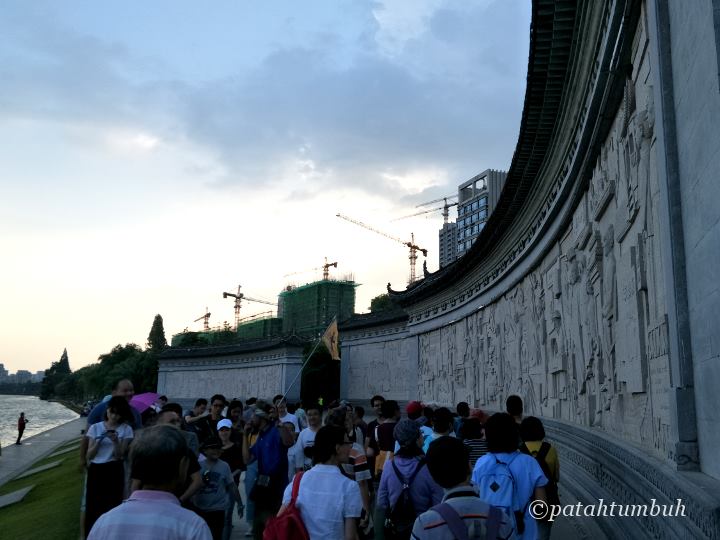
(448, 243)
(23, 376)
(476, 200)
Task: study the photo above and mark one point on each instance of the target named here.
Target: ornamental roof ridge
(552, 36)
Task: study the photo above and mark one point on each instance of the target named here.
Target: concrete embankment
(18, 458)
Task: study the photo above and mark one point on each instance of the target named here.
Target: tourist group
(313, 471)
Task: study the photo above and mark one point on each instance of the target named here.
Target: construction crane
(325, 268)
(206, 320)
(414, 248)
(239, 297)
(445, 208)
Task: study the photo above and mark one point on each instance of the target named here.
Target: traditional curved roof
(552, 34)
(259, 345)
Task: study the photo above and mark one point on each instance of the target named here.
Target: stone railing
(595, 466)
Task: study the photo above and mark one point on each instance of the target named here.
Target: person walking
(507, 478)
(107, 447)
(329, 502)
(270, 453)
(22, 422)
(532, 432)
(159, 461)
(306, 440)
(406, 487)
(232, 455)
(213, 499)
(461, 507)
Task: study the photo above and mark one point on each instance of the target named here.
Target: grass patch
(52, 509)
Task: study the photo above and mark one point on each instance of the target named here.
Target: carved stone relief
(262, 381)
(583, 337)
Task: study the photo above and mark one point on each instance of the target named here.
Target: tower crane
(445, 208)
(325, 268)
(239, 297)
(414, 248)
(206, 320)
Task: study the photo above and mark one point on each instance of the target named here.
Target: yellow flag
(330, 339)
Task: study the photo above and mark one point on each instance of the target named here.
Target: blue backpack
(497, 487)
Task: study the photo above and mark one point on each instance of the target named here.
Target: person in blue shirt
(504, 459)
(124, 388)
(270, 453)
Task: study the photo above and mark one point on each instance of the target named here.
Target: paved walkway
(16, 459)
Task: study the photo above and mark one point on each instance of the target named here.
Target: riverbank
(74, 407)
(17, 458)
(41, 416)
(52, 506)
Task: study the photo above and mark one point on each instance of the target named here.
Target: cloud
(428, 90)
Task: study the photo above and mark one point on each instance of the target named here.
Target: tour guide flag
(330, 339)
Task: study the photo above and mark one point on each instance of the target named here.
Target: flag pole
(317, 344)
(320, 339)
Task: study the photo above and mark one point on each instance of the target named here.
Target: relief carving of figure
(637, 154)
(606, 366)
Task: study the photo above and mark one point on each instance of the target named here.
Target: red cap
(414, 407)
(479, 414)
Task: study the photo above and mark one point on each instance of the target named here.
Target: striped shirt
(477, 449)
(357, 467)
(470, 508)
(150, 515)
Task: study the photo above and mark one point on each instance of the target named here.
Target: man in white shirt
(306, 440)
(283, 415)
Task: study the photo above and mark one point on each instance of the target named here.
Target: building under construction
(302, 311)
(309, 309)
(265, 355)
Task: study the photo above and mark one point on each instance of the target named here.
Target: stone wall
(696, 101)
(378, 360)
(596, 300)
(262, 374)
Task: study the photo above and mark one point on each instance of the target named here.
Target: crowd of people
(314, 472)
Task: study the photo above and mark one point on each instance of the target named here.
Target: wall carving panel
(583, 337)
(383, 366)
(244, 381)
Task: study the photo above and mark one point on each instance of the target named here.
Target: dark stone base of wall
(595, 466)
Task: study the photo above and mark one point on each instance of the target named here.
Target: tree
(156, 339)
(383, 303)
(54, 375)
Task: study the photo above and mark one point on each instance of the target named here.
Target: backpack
(288, 525)
(457, 526)
(401, 518)
(498, 488)
(551, 489)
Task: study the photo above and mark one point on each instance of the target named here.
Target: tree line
(128, 361)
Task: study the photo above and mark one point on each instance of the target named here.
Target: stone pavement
(15, 496)
(16, 459)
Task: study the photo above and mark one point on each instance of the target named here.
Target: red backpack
(288, 525)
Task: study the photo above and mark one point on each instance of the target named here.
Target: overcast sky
(155, 154)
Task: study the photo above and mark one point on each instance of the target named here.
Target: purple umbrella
(142, 402)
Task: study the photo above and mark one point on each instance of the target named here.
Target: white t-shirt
(326, 498)
(106, 446)
(289, 417)
(305, 439)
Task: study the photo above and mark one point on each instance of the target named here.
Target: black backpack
(551, 489)
(401, 518)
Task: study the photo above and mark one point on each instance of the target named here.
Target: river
(42, 415)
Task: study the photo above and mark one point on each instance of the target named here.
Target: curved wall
(568, 299)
